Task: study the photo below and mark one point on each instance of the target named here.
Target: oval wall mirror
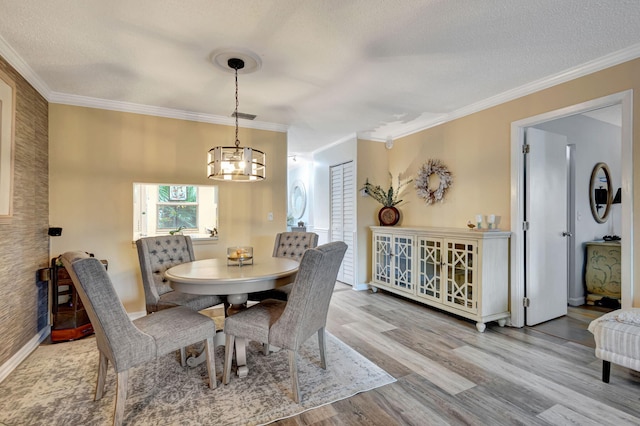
(298, 199)
(600, 195)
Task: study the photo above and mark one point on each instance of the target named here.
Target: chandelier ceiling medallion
(236, 163)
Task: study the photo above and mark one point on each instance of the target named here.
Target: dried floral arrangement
(386, 197)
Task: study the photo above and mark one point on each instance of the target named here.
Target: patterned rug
(56, 383)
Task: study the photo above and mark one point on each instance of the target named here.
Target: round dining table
(227, 278)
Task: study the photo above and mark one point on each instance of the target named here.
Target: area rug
(55, 386)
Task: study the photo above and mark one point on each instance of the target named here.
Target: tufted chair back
(293, 244)
(156, 255)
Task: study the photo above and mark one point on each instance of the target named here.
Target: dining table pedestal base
(216, 277)
(237, 303)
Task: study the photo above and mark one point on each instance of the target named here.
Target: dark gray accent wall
(24, 243)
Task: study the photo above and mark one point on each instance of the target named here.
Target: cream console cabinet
(460, 271)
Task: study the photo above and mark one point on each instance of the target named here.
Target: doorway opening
(518, 199)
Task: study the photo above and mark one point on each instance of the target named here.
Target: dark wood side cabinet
(70, 319)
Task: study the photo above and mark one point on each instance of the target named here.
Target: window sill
(196, 238)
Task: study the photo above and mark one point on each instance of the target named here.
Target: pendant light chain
(237, 103)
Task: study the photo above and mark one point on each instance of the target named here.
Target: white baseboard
(23, 353)
(577, 301)
(361, 287)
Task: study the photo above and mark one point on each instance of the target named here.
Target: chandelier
(236, 163)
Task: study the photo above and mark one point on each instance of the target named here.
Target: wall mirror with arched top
(600, 192)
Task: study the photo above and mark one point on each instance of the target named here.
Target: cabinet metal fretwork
(457, 270)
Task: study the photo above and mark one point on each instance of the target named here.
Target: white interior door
(342, 221)
(546, 248)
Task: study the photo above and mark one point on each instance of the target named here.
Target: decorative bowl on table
(239, 255)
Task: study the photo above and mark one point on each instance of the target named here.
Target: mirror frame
(600, 218)
(298, 199)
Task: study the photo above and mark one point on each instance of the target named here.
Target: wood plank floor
(449, 374)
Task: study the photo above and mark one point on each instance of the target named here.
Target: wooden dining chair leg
(293, 371)
(121, 397)
(228, 358)
(322, 345)
(210, 354)
(103, 363)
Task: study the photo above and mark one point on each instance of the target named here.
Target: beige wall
(373, 164)
(96, 155)
(476, 149)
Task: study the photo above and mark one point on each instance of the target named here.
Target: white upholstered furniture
(617, 337)
(127, 343)
(288, 325)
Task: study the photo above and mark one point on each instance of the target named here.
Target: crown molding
(599, 64)
(85, 101)
(347, 138)
(12, 57)
(582, 70)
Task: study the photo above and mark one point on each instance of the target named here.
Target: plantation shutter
(342, 220)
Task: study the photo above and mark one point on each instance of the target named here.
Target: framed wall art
(7, 131)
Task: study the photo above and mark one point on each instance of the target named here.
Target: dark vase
(388, 216)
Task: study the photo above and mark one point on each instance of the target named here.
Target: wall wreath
(429, 168)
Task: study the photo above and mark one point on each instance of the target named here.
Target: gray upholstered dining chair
(156, 255)
(290, 245)
(289, 324)
(293, 244)
(127, 343)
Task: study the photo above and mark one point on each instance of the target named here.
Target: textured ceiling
(330, 68)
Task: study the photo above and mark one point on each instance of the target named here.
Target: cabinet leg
(481, 326)
(502, 322)
(374, 289)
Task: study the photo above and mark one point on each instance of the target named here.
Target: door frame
(624, 98)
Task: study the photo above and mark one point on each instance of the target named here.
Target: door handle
(567, 234)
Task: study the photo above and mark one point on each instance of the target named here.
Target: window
(159, 209)
(177, 207)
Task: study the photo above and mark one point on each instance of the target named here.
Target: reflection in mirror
(164, 209)
(298, 200)
(600, 189)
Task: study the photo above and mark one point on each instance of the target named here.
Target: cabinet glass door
(403, 262)
(383, 258)
(429, 268)
(460, 271)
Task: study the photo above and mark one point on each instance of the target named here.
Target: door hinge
(525, 302)
(525, 226)
(525, 148)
